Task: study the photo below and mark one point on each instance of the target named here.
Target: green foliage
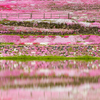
(49, 58)
(11, 43)
(90, 21)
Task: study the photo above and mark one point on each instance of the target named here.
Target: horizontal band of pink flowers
(68, 51)
(76, 39)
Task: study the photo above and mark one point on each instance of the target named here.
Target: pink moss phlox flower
(66, 36)
(22, 43)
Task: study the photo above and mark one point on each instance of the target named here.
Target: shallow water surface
(56, 80)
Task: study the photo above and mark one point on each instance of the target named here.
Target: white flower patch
(75, 90)
(15, 65)
(32, 4)
(15, 82)
(91, 53)
(94, 66)
(86, 43)
(86, 70)
(20, 62)
(75, 17)
(85, 89)
(15, 28)
(43, 55)
(15, 49)
(91, 62)
(84, 93)
(74, 62)
(83, 17)
(26, 69)
(19, 53)
(88, 65)
(70, 12)
(69, 89)
(93, 49)
(28, 43)
(74, 53)
(85, 23)
(84, 14)
(99, 64)
(33, 52)
(33, 62)
(46, 71)
(1, 55)
(44, 43)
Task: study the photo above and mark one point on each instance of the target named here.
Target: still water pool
(55, 80)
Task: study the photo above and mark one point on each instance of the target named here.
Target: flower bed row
(50, 40)
(81, 29)
(67, 51)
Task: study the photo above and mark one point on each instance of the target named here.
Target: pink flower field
(62, 87)
(41, 29)
(51, 40)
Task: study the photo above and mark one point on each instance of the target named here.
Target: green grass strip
(48, 58)
(2, 43)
